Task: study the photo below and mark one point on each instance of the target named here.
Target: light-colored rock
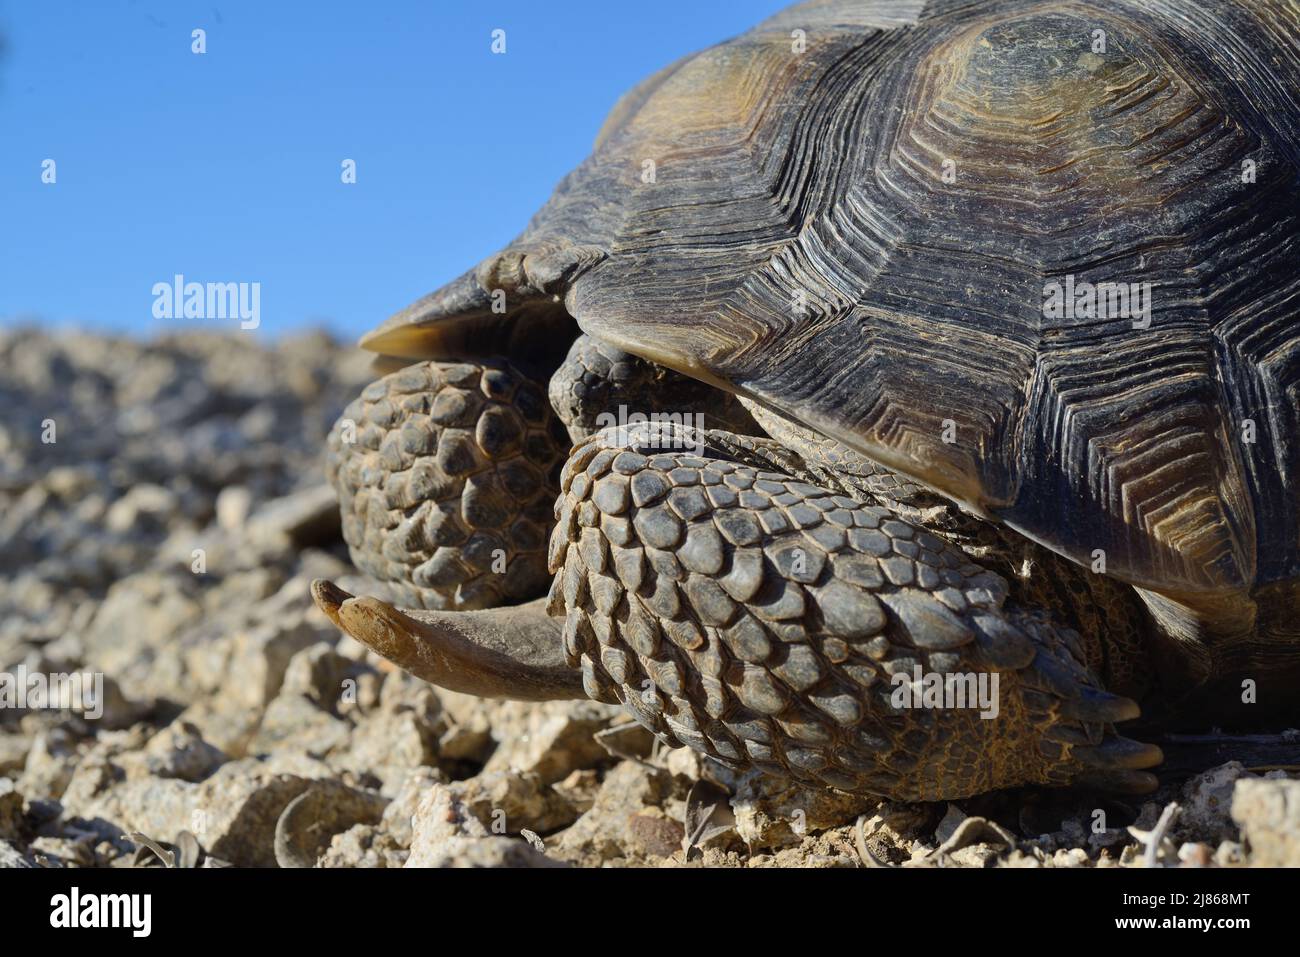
(484, 852)
(580, 789)
(178, 751)
(551, 739)
(892, 830)
(306, 517)
(507, 802)
(1074, 857)
(309, 822)
(397, 731)
(62, 852)
(600, 835)
(295, 723)
(1268, 812)
(322, 675)
(12, 857)
(399, 816)
(1207, 803)
(233, 813)
(234, 504)
(833, 848)
(773, 814)
(51, 760)
(260, 657)
(387, 745)
(227, 725)
(364, 845)
(461, 824)
(439, 821)
(142, 503)
(149, 608)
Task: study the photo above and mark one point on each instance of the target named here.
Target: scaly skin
(753, 602)
(804, 247)
(760, 620)
(447, 475)
(597, 380)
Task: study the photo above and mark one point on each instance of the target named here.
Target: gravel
(165, 539)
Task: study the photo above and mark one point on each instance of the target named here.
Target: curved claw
(1116, 764)
(1118, 781)
(514, 652)
(1117, 753)
(1091, 704)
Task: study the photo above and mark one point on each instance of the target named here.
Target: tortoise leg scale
(777, 625)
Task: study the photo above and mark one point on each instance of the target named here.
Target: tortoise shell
(880, 219)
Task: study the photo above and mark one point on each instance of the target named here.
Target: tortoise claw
(1118, 753)
(1093, 705)
(1118, 781)
(513, 652)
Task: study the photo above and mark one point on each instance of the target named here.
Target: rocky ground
(166, 538)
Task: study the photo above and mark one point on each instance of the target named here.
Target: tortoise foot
(773, 624)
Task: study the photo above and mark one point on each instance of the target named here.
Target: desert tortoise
(935, 404)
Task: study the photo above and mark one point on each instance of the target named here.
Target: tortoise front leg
(446, 474)
(773, 624)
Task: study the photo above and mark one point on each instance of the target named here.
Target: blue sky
(225, 166)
